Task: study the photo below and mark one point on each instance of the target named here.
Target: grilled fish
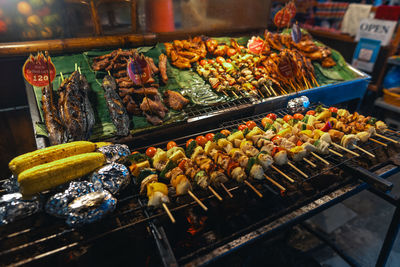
(76, 112)
(117, 110)
(52, 120)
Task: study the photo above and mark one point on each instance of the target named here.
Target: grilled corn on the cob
(49, 175)
(49, 154)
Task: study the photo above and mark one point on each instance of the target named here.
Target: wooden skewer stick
(310, 162)
(62, 76)
(259, 91)
(267, 90)
(321, 159)
(201, 204)
(282, 173)
(389, 130)
(240, 92)
(365, 151)
(168, 213)
(346, 149)
(223, 91)
(272, 89)
(387, 138)
(253, 188)
(233, 92)
(79, 70)
(226, 190)
(109, 74)
(335, 152)
(275, 183)
(378, 142)
(297, 169)
(76, 66)
(215, 193)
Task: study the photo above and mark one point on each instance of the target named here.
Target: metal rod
(321, 159)
(365, 151)
(282, 173)
(168, 212)
(387, 138)
(215, 193)
(275, 183)
(297, 169)
(310, 162)
(390, 237)
(253, 188)
(346, 149)
(198, 200)
(335, 152)
(226, 190)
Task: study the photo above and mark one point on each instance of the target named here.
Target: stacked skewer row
(251, 151)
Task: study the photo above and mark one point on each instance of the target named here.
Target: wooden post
(134, 15)
(95, 18)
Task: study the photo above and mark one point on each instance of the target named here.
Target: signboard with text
(376, 29)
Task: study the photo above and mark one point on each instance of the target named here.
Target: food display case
(169, 143)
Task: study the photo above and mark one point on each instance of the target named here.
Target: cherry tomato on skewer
(251, 124)
(311, 112)
(210, 136)
(272, 116)
(298, 116)
(266, 120)
(225, 132)
(201, 140)
(151, 151)
(242, 127)
(170, 145)
(287, 118)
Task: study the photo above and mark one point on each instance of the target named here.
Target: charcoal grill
(201, 237)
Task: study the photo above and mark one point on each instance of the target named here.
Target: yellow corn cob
(49, 175)
(101, 144)
(49, 154)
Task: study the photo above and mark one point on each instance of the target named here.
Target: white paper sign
(376, 29)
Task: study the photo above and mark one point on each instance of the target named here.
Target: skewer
(79, 70)
(109, 74)
(240, 92)
(365, 151)
(310, 162)
(335, 152)
(387, 138)
(235, 94)
(321, 159)
(389, 130)
(282, 173)
(223, 91)
(197, 200)
(215, 193)
(76, 66)
(275, 183)
(168, 213)
(253, 188)
(226, 190)
(378, 142)
(297, 169)
(346, 149)
(267, 90)
(260, 93)
(62, 76)
(272, 89)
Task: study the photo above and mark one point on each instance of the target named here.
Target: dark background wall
(16, 131)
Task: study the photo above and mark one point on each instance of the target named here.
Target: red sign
(285, 68)
(36, 70)
(285, 15)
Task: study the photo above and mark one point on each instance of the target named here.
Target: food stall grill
(200, 237)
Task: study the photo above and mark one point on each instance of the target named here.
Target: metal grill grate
(41, 235)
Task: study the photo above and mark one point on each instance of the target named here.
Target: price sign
(285, 68)
(38, 70)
